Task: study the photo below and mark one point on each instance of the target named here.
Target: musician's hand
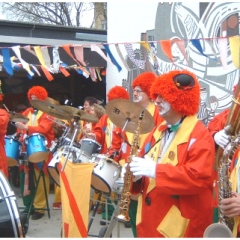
(124, 170)
(230, 207)
(90, 135)
(143, 166)
(21, 126)
(221, 138)
(87, 128)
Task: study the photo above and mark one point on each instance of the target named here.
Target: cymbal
(121, 110)
(49, 108)
(17, 117)
(75, 112)
(52, 101)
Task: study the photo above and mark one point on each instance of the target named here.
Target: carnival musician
(39, 122)
(174, 174)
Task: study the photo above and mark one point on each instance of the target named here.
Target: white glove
(124, 170)
(221, 138)
(143, 166)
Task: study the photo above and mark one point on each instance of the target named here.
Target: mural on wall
(208, 22)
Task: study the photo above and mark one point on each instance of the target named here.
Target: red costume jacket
(42, 125)
(4, 118)
(107, 134)
(178, 202)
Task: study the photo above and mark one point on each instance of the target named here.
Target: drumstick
(5, 107)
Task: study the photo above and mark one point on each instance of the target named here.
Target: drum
(74, 156)
(12, 148)
(106, 171)
(53, 167)
(118, 186)
(89, 146)
(36, 145)
(10, 223)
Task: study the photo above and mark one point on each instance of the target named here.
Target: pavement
(51, 227)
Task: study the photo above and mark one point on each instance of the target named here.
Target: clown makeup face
(163, 106)
(139, 95)
(33, 97)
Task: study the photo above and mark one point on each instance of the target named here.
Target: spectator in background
(88, 102)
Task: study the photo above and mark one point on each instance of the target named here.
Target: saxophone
(128, 178)
(223, 160)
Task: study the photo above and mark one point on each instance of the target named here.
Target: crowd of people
(174, 188)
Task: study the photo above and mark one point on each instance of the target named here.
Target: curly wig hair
(99, 110)
(184, 97)
(144, 81)
(39, 92)
(117, 92)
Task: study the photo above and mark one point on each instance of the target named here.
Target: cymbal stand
(76, 126)
(61, 139)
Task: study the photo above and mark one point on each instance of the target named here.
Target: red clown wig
(180, 88)
(39, 92)
(144, 81)
(117, 92)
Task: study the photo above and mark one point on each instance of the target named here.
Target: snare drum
(53, 167)
(12, 148)
(89, 146)
(36, 148)
(10, 222)
(106, 171)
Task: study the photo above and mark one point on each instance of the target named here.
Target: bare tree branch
(57, 13)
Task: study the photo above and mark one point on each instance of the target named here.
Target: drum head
(10, 223)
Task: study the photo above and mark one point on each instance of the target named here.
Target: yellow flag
(75, 181)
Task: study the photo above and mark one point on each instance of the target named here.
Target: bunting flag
(196, 43)
(98, 73)
(234, 43)
(154, 56)
(93, 74)
(7, 61)
(46, 57)
(222, 45)
(78, 51)
(112, 57)
(210, 43)
(35, 69)
(182, 48)
(149, 49)
(121, 57)
(166, 48)
(56, 60)
(68, 51)
(28, 48)
(131, 55)
(75, 181)
(97, 49)
(42, 54)
(25, 65)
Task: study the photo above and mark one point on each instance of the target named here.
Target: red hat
(117, 92)
(39, 92)
(180, 88)
(144, 81)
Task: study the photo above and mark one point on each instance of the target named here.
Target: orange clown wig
(180, 88)
(117, 92)
(144, 81)
(39, 92)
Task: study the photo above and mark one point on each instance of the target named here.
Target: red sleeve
(218, 122)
